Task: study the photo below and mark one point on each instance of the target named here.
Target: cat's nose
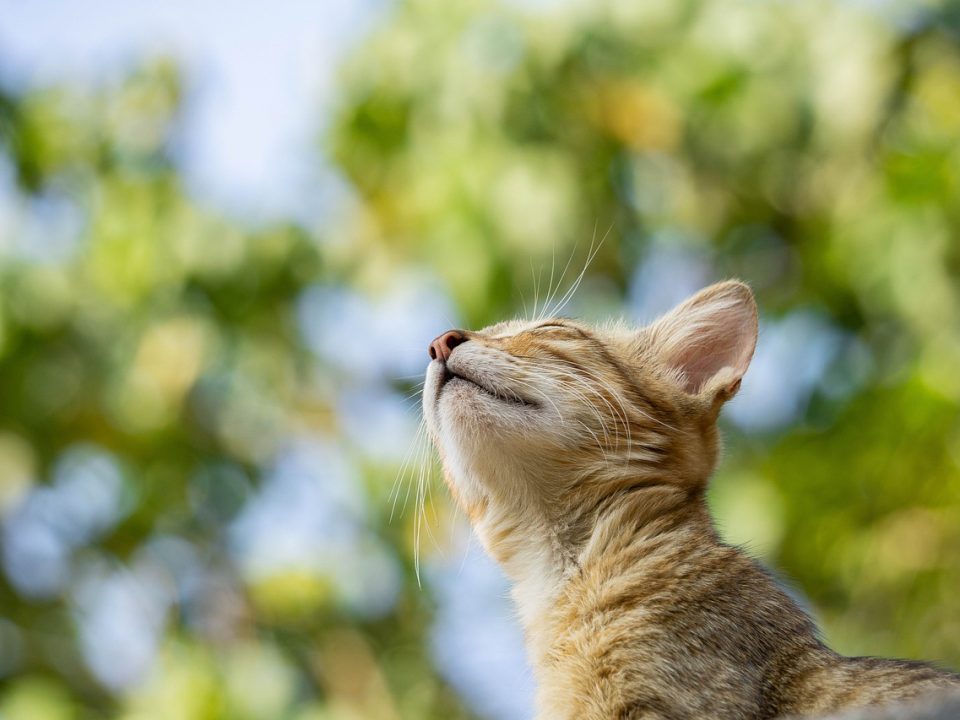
(443, 345)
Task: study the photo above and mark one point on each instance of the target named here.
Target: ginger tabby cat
(581, 456)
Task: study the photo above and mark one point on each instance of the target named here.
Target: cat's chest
(597, 679)
(615, 655)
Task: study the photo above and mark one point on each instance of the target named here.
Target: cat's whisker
(394, 494)
(553, 263)
(563, 277)
(623, 414)
(427, 501)
(532, 388)
(565, 375)
(571, 291)
(600, 446)
(418, 522)
(551, 297)
(619, 413)
(551, 291)
(421, 448)
(585, 403)
(583, 399)
(424, 493)
(523, 299)
(536, 295)
(416, 447)
(415, 395)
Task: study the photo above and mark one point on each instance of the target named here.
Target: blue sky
(260, 74)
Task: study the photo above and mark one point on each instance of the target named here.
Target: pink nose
(443, 345)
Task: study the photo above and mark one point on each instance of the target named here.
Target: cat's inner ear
(707, 342)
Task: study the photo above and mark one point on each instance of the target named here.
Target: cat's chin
(463, 403)
(473, 416)
(462, 383)
(457, 386)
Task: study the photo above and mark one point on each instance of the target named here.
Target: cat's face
(540, 419)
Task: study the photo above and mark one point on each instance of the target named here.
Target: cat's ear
(707, 342)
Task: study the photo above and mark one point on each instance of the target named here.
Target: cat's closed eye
(556, 330)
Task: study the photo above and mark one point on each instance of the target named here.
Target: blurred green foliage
(812, 149)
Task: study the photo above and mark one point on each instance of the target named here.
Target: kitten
(581, 457)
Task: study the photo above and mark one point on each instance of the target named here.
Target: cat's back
(857, 682)
(678, 625)
(672, 625)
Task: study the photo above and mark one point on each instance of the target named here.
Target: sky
(261, 78)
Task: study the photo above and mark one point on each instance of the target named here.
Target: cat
(581, 457)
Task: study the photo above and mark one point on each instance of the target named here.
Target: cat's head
(539, 423)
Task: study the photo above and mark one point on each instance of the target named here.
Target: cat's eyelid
(564, 326)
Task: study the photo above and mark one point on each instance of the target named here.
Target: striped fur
(581, 456)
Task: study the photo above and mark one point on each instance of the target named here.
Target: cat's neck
(531, 553)
(548, 554)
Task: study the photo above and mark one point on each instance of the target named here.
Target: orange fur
(581, 456)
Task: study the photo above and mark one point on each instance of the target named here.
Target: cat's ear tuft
(707, 341)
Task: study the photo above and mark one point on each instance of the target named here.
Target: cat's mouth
(451, 377)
